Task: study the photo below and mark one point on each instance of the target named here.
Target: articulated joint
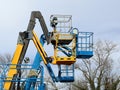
(49, 59)
(20, 40)
(24, 35)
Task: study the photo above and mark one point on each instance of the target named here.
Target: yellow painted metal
(39, 47)
(64, 60)
(56, 45)
(57, 58)
(12, 71)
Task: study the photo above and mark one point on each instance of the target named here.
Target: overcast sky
(99, 16)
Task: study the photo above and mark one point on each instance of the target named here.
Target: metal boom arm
(22, 47)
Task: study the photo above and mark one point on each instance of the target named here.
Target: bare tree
(111, 83)
(4, 60)
(79, 85)
(50, 84)
(96, 69)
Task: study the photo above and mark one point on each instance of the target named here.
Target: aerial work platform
(68, 43)
(84, 45)
(62, 40)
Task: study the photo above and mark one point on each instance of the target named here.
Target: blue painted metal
(3, 74)
(84, 45)
(84, 54)
(55, 79)
(38, 58)
(1, 81)
(42, 87)
(29, 81)
(36, 66)
(64, 51)
(84, 49)
(66, 73)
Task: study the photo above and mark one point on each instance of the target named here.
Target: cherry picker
(69, 44)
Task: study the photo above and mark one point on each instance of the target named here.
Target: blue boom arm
(35, 66)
